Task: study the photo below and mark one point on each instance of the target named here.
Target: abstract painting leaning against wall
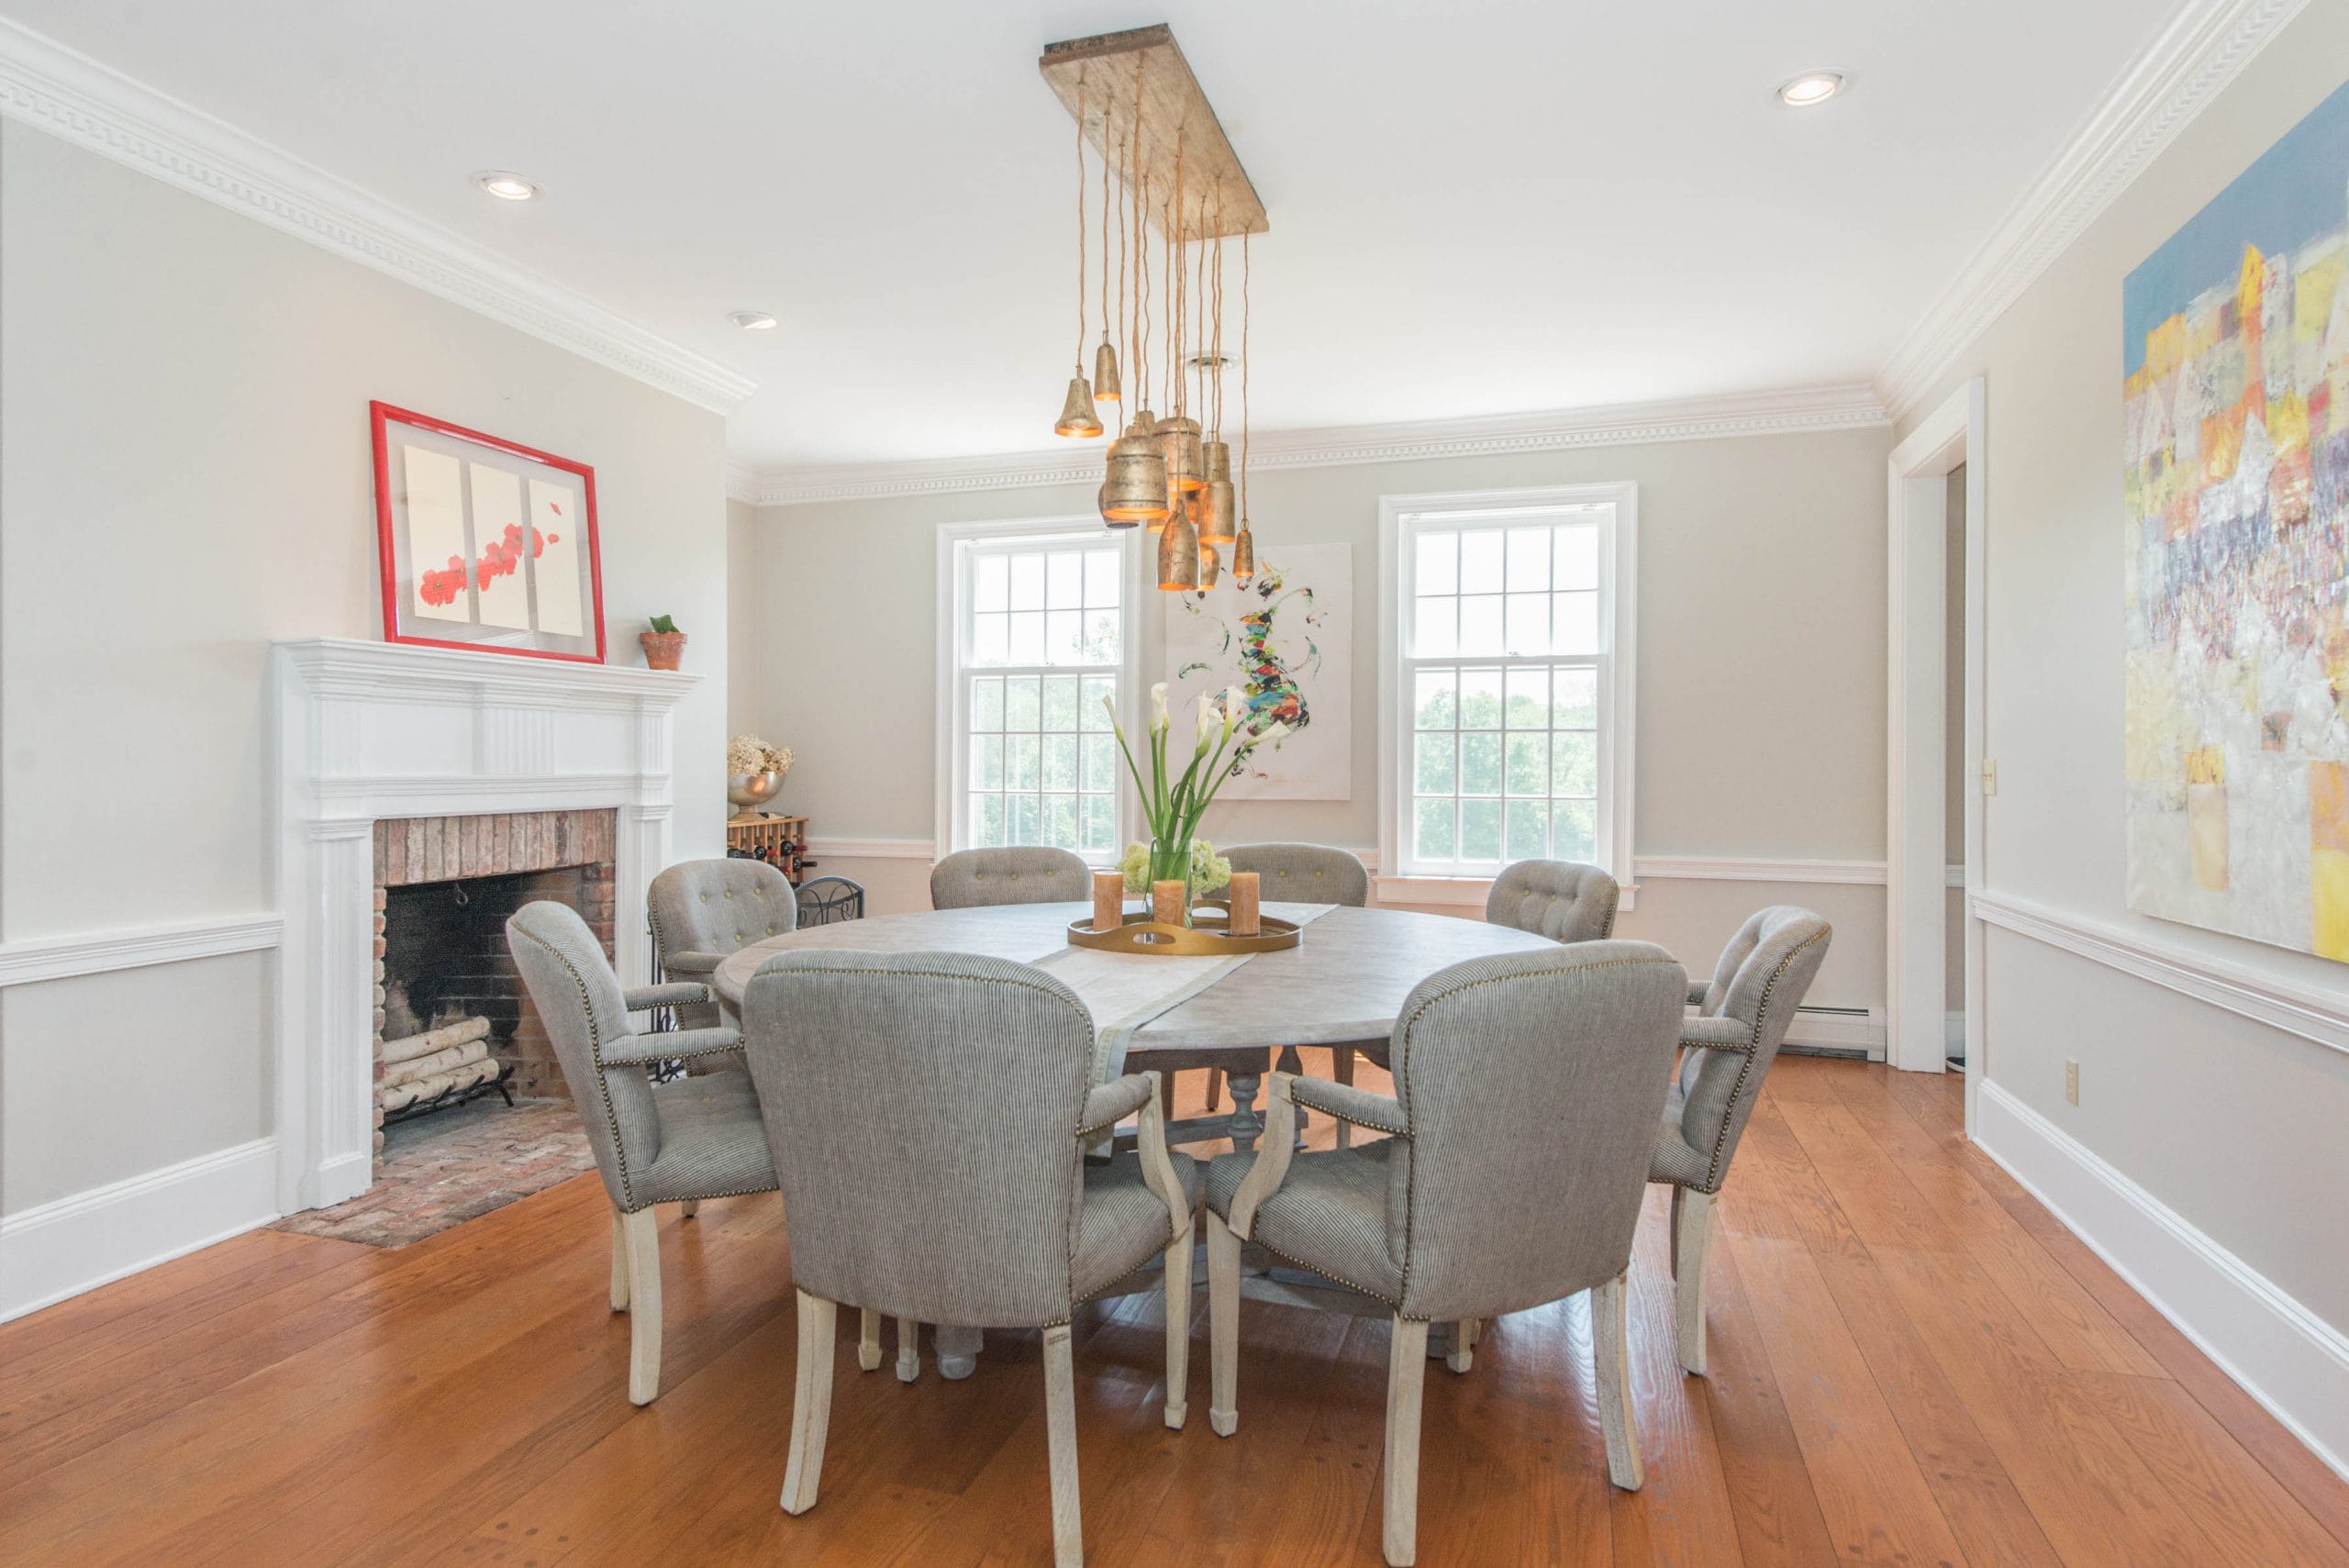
(2237, 450)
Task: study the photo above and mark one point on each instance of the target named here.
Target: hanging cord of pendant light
(1077, 418)
(1216, 351)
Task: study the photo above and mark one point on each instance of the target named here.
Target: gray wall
(185, 476)
(2235, 1125)
(1761, 665)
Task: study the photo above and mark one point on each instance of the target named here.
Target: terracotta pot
(663, 649)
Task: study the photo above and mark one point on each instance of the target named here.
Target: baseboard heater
(1842, 1018)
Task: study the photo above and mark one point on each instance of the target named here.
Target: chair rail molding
(370, 730)
(1792, 411)
(2285, 1356)
(2314, 1013)
(2175, 77)
(31, 959)
(101, 110)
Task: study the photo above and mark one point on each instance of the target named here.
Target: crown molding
(70, 95)
(1793, 411)
(742, 482)
(2187, 64)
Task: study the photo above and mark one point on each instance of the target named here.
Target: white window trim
(1619, 691)
(948, 830)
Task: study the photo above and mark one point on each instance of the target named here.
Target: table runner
(1123, 991)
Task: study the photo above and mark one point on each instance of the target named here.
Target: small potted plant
(664, 645)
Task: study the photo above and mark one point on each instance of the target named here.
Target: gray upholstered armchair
(1562, 900)
(1029, 874)
(675, 1143)
(1726, 1050)
(1298, 874)
(1512, 1176)
(928, 1115)
(704, 912)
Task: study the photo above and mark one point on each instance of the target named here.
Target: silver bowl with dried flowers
(754, 770)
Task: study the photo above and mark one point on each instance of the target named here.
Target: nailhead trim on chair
(1713, 1172)
(595, 1054)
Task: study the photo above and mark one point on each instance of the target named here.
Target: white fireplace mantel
(372, 731)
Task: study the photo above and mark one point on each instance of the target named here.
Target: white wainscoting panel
(80, 1243)
(2285, 1356)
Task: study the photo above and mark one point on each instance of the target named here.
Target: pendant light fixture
(1077, 419)
(1135, 490)
(1106, 387)
(1218, 509)
(1244, 549)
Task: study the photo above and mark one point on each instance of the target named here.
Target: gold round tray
(1208, 934)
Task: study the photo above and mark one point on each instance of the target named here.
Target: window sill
(1450, 891)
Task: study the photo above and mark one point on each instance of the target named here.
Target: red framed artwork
(485, 544)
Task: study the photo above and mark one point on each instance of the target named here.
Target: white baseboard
(80, 1243)
(2285, 1356)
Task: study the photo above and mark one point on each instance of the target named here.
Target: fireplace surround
(371, 732)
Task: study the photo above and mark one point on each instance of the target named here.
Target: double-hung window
(1506, 684)
(1037, 626)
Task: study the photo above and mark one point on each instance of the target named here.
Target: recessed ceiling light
(506, 185)
(752, 321)
(1812, 87)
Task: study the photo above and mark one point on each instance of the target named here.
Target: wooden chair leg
(909, 1350)
(644, 1306)
(1672, 1253)
(619, 1261)
(811, 1402)
(1215, 1087)
(1223, 1326)
(1611, 1345)
(1178, 1330)
(1406, 1377)
(868, 1340)
(1461, 1355)
(1692, 1240)
(690, 1207)
(1060, 1439)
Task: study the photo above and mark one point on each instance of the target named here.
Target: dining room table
(1343, 984)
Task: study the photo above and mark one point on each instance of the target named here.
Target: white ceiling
(1478, 208)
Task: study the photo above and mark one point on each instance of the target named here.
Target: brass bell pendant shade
(1210, 565)
(1243, 557)
(1217, 458)
(1104, 373)
(1186, 465)
(1178, 556)
(1077, 418)
(1135, 490)
(1218, 512)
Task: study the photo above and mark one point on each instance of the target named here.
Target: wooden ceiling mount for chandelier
(1174, 114)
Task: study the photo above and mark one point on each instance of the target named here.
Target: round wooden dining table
(1343, 984)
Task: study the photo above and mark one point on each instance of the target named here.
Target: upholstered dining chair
(1512, 1176)
(704, 912)
(1726, 1050)
(928, 1115)
(675, 1143)
(1298, 874)
(1562, 900)
(1027, 873)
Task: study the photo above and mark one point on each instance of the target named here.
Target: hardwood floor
(1911, 1362)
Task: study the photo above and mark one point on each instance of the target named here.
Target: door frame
(1919, 643)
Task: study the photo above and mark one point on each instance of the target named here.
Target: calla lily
(1110, 707)
(1159, 717)
(1213, 726)
(1235, 707)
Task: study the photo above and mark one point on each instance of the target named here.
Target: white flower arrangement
(749, 754)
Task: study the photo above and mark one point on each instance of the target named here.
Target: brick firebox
(502, 862)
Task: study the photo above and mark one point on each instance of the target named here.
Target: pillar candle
(1168, 901)
(1109, 900)
(1247, 909)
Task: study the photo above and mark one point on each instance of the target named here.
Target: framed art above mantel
(485, 544)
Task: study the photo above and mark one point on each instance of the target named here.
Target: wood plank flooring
(1912, 1363)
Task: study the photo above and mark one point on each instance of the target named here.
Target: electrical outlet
(2071, 1083)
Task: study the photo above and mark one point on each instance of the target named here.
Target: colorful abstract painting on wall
(2237, 480)
(1285, 640)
